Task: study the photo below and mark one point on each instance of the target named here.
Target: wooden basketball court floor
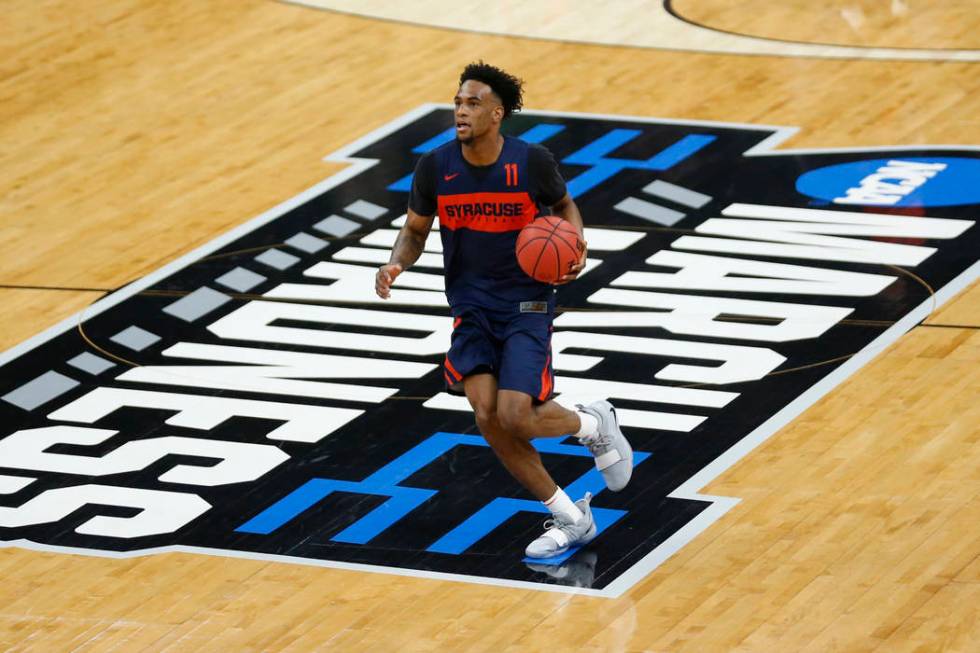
(132, 132)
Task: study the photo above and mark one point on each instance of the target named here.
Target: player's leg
(527, 377)
(473, 353)
(516, 453)
(572, 523)
(475, 350)
(596, 426)
(524, 407)
(521, 417)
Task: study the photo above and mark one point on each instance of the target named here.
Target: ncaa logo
(904, 182)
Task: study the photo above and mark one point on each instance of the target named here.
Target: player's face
(478, 111)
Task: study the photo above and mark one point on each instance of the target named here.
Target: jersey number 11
(511, 170)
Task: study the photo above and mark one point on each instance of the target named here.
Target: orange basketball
(547, 248)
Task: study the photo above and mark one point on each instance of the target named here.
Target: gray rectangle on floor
(197, 304)
(277, 259)
(367, 210)
(676, 193)
(306, 243)
(337, 226)
(240, 279)
(135, 338)
(650, 211)
(40, 391)
(88, 362)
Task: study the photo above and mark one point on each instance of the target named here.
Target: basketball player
(485, 187)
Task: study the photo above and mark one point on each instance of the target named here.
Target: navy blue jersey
(481, 210)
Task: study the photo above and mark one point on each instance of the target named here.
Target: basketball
(547, 248)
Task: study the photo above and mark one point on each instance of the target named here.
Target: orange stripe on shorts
(546, 382)
(452, 370)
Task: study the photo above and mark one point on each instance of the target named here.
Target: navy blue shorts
(515, 348)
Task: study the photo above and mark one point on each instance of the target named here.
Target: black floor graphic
(312, 428)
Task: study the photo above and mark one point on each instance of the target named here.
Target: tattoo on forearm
(407, 249)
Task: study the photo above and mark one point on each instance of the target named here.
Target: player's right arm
(422, 206)
(408, 247)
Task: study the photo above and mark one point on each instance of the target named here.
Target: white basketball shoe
(560, 533)
(612, 452)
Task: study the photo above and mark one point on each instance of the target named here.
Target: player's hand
(574, 271)
(384, 278)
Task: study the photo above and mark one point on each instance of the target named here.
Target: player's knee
(486, 418)
(515, 420)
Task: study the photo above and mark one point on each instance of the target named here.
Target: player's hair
(508, 88)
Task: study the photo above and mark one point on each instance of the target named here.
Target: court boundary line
(668, 6)
(718, 505)
(934, 58)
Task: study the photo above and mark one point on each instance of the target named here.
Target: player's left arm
(568, 210)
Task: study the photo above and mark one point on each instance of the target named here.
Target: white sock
(588, 425)
(561, 504)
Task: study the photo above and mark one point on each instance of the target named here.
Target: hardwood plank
(31, 311)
